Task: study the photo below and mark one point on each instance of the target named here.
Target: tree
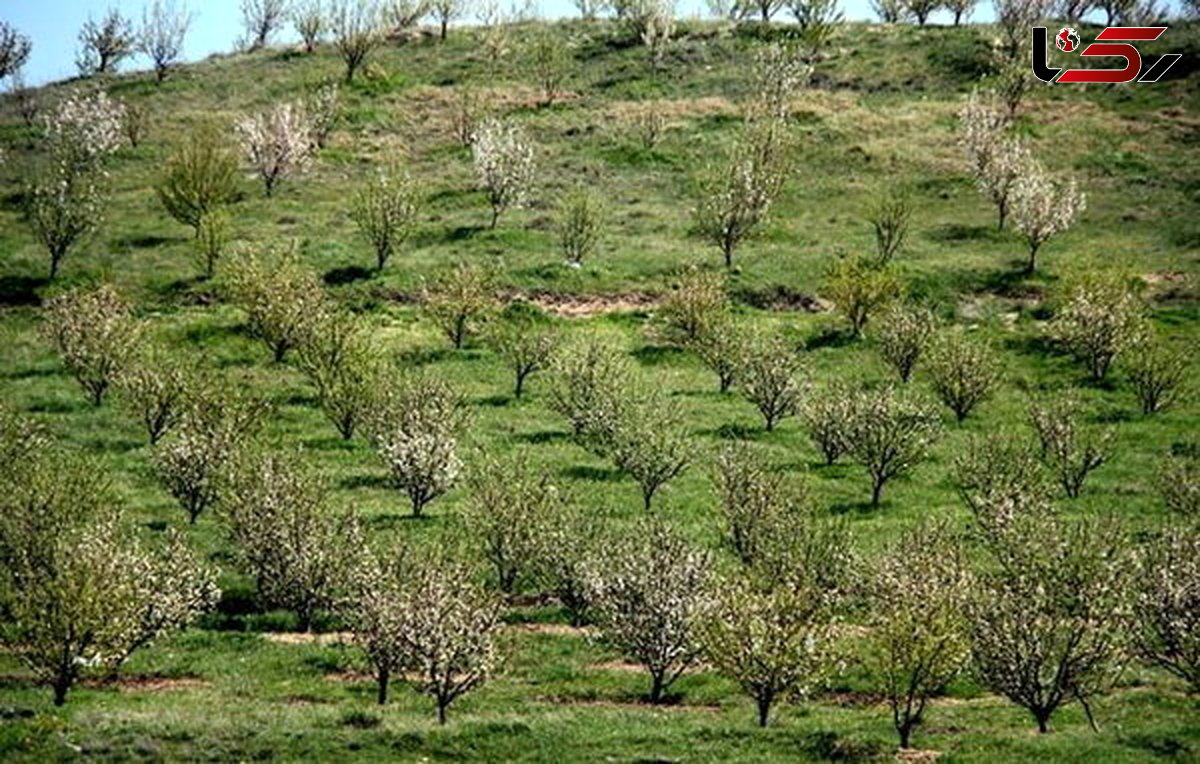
(653, 23)
(903, 334)
(261, 19)
(1070, 448)
(95, 334)
(445, 11)
(511, 502)
(995, 159)
(308, 17)
(1168, 603)
(1014, 18)
(766, 8)
(1179, 481)
(277, 144)
(154, 386)
(719, 345)
(457, 299)
(920, 9)
(323, 107)
(299, 552)
(964, 372)
(777, 76)
(357, 30)
(651, 597)
(343, 364)
(386, 210)
(136, 123)
(1043, 206)
(1158, 372)
(589, 382)
(566, 556)
(549, 60)
(14, 50)
(84, 129)
(827, 414)
(697, 303)
(770, 371)
(404, 14)
(1102, 316)
(889, 434)
(79, 592)
(1074, 10)
(164, 28)
(649, 445)
(281, 297)
(754, 496)
(999, 474)
(918, 591)
(200, 178)
(857, 289)
(580, 220)
(104, 44)
(62, 208)
(818, 21)
(961, 9)
(415, 427)
(525, 345)
(504, 165)
(735, 198)
(212, 237)
(890, 11)
(889, 215)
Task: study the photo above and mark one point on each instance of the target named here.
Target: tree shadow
(16, 291)
(595, 474)
(831, 338)
(347, 275)
(543, 436)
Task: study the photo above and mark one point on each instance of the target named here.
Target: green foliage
(201, 177)
(459, 298)
(281, 297)
(386, 211)
(858, 289)
(964, 372)
(95, 335)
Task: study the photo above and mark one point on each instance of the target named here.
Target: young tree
(566, 556)
(919, 590)
(345, 367)
(309, 19)
(277, 144)
(136, 123)
(1179, 482)
(589, 383)
(652, 22)
(199, 179)
(753, 495)
(964, 372)
(95, 334)
(549, 60)
(818, 21)
(1000, 471)
(735, 198)
(415, 427)
(697, 303)
(649, 445)
(890, 11)
(386, 211)
(62, 208)
(504, 165)
(1102, 316)
(154, 386)
(445, 11)
(858, 289)
(777, 76)
(24, 99)
(103, 45)
(84, 129)
(357, 30)
(457, 299)
(1070, 448)
(14, 50)
(889, 434)
(1168, 603)
(525, 345)
(889, 215)
(770, 371)
(827, 414)
(1043, 206)
(282, 299)
(261, 19)
(903, 334)
(164, 29)
(511, 502)
(720, 346)
(299, 552)
(994, 158)
(1158, 372)
(651, 598)
(404, 14)
(921, 9)
(580, 220)
(960, 8)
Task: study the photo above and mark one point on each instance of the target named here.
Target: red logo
(1111, 42)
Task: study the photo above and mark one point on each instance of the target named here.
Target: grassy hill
(881, 112)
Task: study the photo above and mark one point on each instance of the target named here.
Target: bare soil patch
(917, 754)
(308, 638)
(584, 305)
(557, 629)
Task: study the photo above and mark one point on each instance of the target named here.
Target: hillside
(880, 113)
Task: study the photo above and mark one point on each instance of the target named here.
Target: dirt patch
(624, 666)
(149, 683)
(584, 305)
(631, 705)
(308, 637)
(557, 629)
(917, 754)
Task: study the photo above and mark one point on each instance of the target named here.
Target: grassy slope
(883, 115)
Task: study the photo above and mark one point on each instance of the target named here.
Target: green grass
(884, 114)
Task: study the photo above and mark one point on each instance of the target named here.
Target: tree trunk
(905, 730)
(520, 388)
(764, 709)
(441, 708)
(55, 260)
(876, 491)
(446, 21)
(647, 496)
(382, 677)
(656, 687)
(1031, 265)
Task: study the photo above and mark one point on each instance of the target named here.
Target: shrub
(889, 215)
(651, 598)
(827, 414)
(964, 372)
(1158, 373)
(998, 475)
(1168, 603)
(735, 199)
(510, 504)
(858, 290)
(698, 303)
(889, 434)
(104, 44)
(386, 210)
(281, 297)
(777, 76)
(469, 113)
(919, 590)
(753, 495)
(298, 551)
(1179, 482)
(278, 143)
(344, 366)
(649, 445)
(160, 39)
(769, 375)
(136, 122)
(95, 335)
(357, 30)
(720, 346)
(589, 384)
(1043, 206)
(1070, 448)
(200, 178)
(525, 345)
(155, 387)
(549, 60)
(457, 299)
(323, 106)
(1101, 317)
(504, 165)
(903, 334)
(580, 220)
(415, 427)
